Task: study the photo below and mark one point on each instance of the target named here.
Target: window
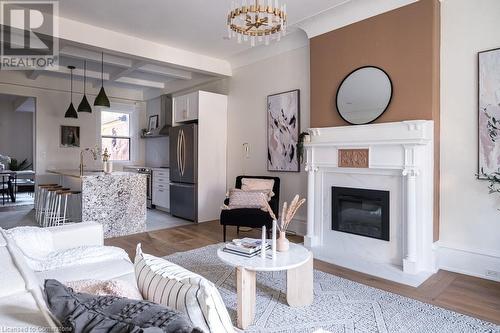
(115, 134)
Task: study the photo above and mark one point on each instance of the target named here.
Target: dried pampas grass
(287, 212)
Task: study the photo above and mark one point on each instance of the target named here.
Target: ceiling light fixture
(102, 99)
(71, 112)
(84, 104)
(257, 22)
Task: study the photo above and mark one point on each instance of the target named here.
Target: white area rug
(339, 305)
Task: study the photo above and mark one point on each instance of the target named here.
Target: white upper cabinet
(186, 107)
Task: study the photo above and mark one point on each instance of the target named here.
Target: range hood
(165, 118)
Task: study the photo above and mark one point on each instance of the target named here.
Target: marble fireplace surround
(401, 161)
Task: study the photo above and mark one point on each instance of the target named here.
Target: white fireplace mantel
(401, 159)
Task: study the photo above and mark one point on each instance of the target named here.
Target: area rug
(22, 199)
(339, 305)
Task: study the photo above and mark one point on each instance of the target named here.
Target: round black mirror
(364, 95)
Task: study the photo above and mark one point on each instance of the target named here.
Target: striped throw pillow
(166, 283)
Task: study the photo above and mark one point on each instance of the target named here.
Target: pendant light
(102, 99)
(71, 112)
(84, 104)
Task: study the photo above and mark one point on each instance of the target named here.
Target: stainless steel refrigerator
(184, 171)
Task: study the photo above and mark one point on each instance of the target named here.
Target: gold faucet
(96, 152)
(81, 162)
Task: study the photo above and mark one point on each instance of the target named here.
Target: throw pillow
(166, 283)
(258, 184)
(79, 312)
(105, 288)
(245, 199)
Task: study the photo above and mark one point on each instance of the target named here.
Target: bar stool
(37, 192)
(62, 206)
(49, 212)
(41, 200)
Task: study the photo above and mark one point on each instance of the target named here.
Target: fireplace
(361, 212)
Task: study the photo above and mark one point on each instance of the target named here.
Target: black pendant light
(84, 104)
(102, 99)
(71, 112)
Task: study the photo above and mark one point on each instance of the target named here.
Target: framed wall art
(489, 111)
(70, 136)
(283, 124)
(153, 122)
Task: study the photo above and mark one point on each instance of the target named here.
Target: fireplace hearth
(361, 212)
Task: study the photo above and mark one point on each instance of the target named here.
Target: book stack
(246, 247)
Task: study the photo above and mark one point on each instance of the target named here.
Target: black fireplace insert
(361, 212)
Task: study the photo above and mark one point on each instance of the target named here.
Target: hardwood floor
(461, 293)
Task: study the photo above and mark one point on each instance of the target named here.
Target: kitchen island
(116, 200)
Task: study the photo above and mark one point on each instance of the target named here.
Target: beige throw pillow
(245, 199)
(258, 184)
(105, 288)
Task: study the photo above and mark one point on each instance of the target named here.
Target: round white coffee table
(297, 261)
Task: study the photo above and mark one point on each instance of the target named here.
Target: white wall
(15, 127)
(470, 221)
(157, 149)
(52, 100)
(247, 118)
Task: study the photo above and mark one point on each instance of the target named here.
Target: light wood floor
(461, 293)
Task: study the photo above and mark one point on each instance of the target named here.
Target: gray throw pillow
(79, 312)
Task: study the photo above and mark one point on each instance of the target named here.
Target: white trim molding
(475, 262)
(401, 161)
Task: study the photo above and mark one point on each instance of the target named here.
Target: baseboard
(468, 261)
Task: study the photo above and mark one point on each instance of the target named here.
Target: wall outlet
(493, 274)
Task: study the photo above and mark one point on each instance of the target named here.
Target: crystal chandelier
(257, 22)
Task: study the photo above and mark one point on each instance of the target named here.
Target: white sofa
(21, 297)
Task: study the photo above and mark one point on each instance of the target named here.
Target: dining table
(8, 181)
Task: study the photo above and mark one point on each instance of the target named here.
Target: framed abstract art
(283, 115)
(489, 111)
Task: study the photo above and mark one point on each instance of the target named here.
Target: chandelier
(257, 22)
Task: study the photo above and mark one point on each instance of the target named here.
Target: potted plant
(494, 179)
(16, 166)
(303, 137)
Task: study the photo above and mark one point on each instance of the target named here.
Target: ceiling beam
(141, 82)
(119, 43)
(94, 56)
(33, 75)
(166, 71)
(127, 71)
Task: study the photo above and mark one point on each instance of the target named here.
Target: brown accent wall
(405, 43)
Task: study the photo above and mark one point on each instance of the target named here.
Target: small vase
(108, 167)
(282, 243)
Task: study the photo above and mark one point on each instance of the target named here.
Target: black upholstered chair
(251, 217)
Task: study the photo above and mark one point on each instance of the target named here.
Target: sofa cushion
(166, 283)
(79, 312)
(32, 241)
(11, 280)
(106, 270)
(3, 240)
(21, 310)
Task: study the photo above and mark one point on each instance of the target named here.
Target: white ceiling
(194, 25)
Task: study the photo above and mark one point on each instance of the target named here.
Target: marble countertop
(89, 173)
